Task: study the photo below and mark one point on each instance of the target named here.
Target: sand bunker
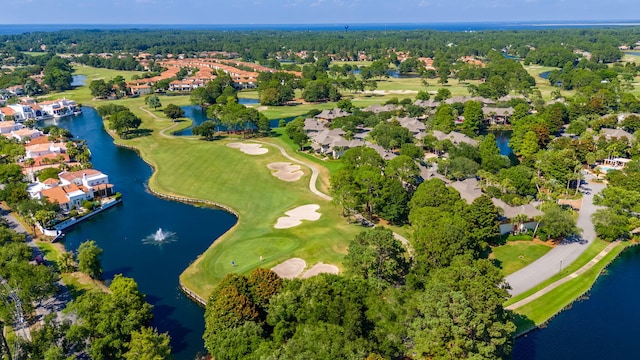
(286, 171)
(251, 149)
(290, 268)
(320, 268)
(294, 217)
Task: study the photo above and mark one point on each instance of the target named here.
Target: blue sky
(309, 11)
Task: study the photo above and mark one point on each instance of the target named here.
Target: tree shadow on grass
(523, 324)
(138, 133)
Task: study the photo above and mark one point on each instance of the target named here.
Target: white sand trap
(294, 217)
(290, 268)
(285, 171)
(320, 268)
(250, 149)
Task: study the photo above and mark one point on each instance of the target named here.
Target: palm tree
(67, 262)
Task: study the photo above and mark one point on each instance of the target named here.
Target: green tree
(57, 74)
(45, 217)
(556, 223)
(153, 101)
(459, 315)
(442, 94)
(610, 224)
(490, 158)
(295, 131)
(99, 89)
(173, 112)
(443, 118)
(484, 220)
(123, 122)
(110, 319)
(89, 259)
(473, 116)
(207, 130)
(376, 254)
(148, 344)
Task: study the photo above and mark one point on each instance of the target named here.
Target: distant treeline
(264, 44)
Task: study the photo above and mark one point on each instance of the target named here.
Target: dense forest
(259, 45)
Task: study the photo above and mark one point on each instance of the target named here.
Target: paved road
(566, 252)
(565, 279)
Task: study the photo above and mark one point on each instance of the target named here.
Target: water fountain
(160, 237)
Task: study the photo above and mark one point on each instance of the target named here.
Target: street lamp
(560, 266)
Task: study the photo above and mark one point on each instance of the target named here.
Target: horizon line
(520, 22)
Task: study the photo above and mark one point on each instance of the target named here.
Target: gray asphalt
(566, 252)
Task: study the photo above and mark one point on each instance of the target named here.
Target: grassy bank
(541, 310)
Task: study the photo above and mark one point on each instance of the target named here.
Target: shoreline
(191, 294)
(582, 295)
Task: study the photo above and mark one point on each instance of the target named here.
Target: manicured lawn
(515, 255)
(545, 307)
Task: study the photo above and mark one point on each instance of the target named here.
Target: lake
(121, 230)
(604, 326)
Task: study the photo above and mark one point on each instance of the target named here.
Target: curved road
(566, 252)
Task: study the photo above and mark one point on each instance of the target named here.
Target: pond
(125, 231)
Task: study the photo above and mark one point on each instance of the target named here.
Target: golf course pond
(134, 246)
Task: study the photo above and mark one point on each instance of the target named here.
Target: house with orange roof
(93, 180)
(66, 196)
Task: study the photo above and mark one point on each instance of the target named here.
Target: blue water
(248, 101)
(8, 29)
(78, 80)
(197, 114)
(502, 140)
(545, 75)
(605, 326)
(120, 232)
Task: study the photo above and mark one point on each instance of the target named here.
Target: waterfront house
(96, 182)
(66, 196)
(22, 112)
(497, 116)
(59, 108)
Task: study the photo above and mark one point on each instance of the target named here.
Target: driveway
(564, 253)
